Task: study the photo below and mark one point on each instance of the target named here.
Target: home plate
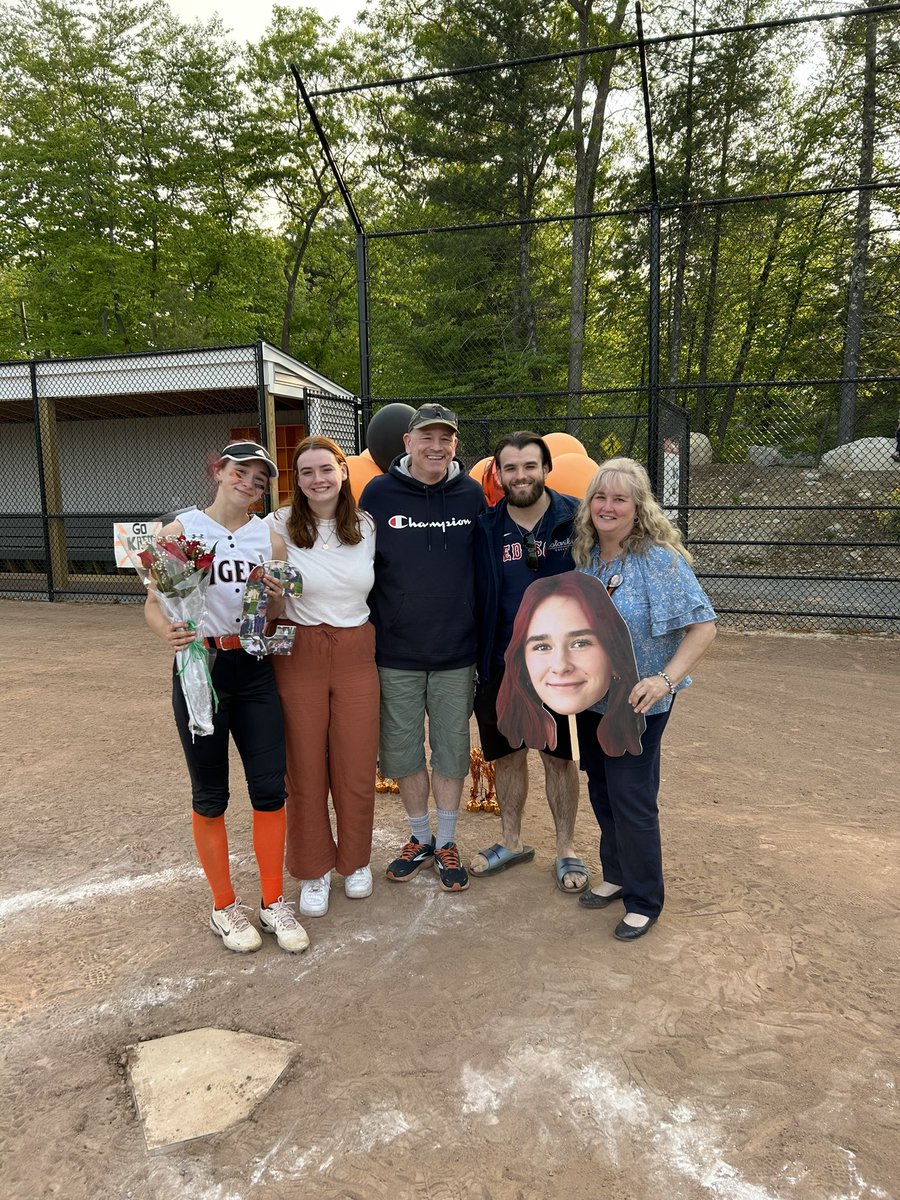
(192, 1084)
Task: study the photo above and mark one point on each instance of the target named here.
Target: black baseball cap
(242, 451)
(433, 414)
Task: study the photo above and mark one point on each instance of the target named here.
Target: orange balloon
(361, 470)
(365, 454)
(477, 472)
(563, 443)
(493, 489)
(485, 473)
(572, 474)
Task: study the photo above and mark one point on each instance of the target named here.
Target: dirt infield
(498, 1045)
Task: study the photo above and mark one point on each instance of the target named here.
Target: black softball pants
(249, 710)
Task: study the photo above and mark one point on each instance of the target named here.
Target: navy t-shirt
(515, 576)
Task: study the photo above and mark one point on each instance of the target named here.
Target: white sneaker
(314, 896)
(279, 919)
(234, 929)
(358, 884)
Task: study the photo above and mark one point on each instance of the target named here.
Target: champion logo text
(402, 522)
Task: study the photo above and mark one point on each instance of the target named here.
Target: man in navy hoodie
(525, 536)
(423, 608)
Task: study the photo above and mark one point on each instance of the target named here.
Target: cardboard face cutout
(569, 649)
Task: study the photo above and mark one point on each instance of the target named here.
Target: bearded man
(527, 535)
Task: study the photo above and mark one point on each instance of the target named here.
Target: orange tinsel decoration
(482, 796)
(385, 785)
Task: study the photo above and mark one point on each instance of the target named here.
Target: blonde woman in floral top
(623, 538)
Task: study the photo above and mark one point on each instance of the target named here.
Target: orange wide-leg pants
(329, 693)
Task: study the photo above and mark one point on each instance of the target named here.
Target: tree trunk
(684, 226)
(860, 257)
(291, 270)
(701, 418)
(750, 324)
(527, 316)
(587, 158)
(797, 294)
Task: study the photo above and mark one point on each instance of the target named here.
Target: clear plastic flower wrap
(178, 569)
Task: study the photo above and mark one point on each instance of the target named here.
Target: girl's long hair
(522, 718)
(652, 527)
(301, 521)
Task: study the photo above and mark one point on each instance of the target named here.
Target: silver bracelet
(668, 681)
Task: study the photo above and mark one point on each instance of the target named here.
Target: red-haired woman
(329, 683)
(248, 706)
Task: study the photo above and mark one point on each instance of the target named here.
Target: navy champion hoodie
(423, 601)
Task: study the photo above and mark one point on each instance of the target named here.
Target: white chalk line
(357, 1136)
(85, 893)
(687, 1141)
(111, 889)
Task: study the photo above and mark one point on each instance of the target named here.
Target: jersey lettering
(514, 551)
(229, 570)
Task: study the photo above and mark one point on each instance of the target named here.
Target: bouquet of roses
(178, 570)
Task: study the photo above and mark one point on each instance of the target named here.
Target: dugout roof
(159, 383)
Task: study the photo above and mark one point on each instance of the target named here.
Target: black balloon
(384, 436)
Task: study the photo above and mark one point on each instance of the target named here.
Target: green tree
(296, 190)
(477, 149)
(123, 206)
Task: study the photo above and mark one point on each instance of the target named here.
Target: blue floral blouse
(659, 596)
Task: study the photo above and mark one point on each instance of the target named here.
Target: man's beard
(524, 499)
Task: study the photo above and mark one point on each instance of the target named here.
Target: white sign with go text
(130, 537)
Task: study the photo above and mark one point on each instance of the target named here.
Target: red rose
(172, 547)
(146, 559)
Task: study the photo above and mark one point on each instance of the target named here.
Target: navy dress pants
(623, 792)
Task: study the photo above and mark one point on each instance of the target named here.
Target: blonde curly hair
(651, 528)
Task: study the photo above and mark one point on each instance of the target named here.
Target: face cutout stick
(569, 649)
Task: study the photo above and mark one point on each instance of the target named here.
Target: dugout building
(91, 442)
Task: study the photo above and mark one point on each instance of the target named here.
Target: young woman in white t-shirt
(329, 684)
(248, 707)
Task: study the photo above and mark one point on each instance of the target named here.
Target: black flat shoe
(627, 933)
(592, 900)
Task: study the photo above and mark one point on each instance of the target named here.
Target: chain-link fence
(777, 544)
(100, 451)
(336, 417)
(728, 255)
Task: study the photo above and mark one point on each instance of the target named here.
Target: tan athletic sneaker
(279, 919)
(234, 929)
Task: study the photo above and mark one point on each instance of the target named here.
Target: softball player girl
(248, 705)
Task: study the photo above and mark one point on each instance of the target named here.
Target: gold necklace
(319, 532)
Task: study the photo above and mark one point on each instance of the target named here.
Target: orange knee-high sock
(268, 845)
(211, 841)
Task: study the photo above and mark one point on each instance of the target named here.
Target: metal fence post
(266, 421)
(362, 303)
(39, 450)
(654, 448)
(362, 267)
